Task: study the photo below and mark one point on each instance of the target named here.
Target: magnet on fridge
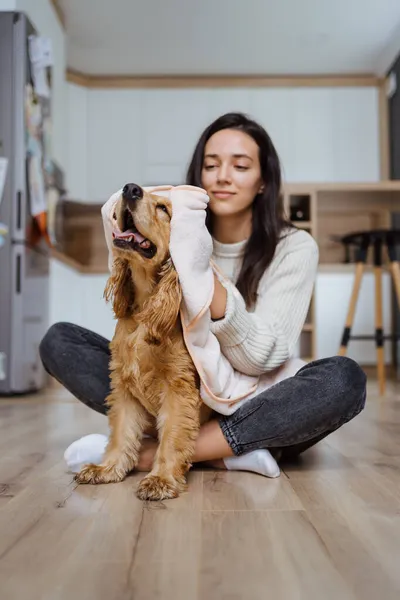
(3, 233)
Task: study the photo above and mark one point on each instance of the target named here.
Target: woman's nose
(223, 173)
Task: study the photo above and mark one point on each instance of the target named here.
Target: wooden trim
(346, 268)
(384, 137)
(68, 261)
(77, 78)
(373, 186)
(206, 81)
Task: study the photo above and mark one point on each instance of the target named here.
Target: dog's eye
(162, 207)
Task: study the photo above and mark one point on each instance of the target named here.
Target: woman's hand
(191, 247)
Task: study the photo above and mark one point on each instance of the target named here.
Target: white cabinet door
(148, 136)
(332, 296)
(77, 142)
(78, 298)
(173, 120)
(273, 109)
(355, 119)
(311, 155)
(115, 141)
(97, 315)
(65, 294)
(227, 100)
(327, 134)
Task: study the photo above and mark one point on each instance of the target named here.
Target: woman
(273, 267)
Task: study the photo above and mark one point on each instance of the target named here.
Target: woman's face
(231, 172)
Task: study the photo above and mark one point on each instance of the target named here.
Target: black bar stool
(362, 241)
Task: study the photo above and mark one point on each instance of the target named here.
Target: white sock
(258, 461)
(88, 449)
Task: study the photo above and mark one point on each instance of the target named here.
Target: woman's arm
(218, 303)
(261, 341)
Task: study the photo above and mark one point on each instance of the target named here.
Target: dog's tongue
(138, 237)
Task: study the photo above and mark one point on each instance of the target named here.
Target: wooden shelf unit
(300, 209)
(334, 210)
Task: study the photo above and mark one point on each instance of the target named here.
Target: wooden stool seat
(363, 241)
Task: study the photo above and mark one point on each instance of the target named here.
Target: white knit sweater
(259, 340)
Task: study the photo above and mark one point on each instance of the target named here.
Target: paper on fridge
(3, 174)
(41, 57)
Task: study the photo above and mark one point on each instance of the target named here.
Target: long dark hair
(268, 218)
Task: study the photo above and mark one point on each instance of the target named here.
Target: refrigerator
(25, 130)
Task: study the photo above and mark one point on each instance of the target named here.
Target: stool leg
(394, 266)
(395, 269)
(352, 308)
(379, 329)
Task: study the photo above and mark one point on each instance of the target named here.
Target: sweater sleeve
(259, 341)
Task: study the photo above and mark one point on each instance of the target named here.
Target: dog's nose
(132, 191)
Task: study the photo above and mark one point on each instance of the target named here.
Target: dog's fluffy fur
(153, 379)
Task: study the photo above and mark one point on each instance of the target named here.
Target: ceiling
(230, 37)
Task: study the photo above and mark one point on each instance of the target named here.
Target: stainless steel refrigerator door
(25, 301)
(6, 206)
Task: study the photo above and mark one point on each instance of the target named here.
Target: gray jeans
(291, 416)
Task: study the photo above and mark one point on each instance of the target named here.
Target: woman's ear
(162, 308)
(120, 289)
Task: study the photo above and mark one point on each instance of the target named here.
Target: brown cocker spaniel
(153, 379)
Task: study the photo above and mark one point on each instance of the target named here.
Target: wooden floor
(328, 528)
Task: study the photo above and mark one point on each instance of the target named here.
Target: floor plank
(229, 490)
(260, 554)
(329, 527)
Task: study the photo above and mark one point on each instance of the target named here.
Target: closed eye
(163, 208)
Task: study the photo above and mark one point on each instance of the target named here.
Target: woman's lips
(223, 195)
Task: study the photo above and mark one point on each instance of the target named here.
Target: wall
(321, 134)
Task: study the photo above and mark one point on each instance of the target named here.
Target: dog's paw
(153, 487)
(99, 474)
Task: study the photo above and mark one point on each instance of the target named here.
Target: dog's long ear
(120, 289)
(162, 309)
